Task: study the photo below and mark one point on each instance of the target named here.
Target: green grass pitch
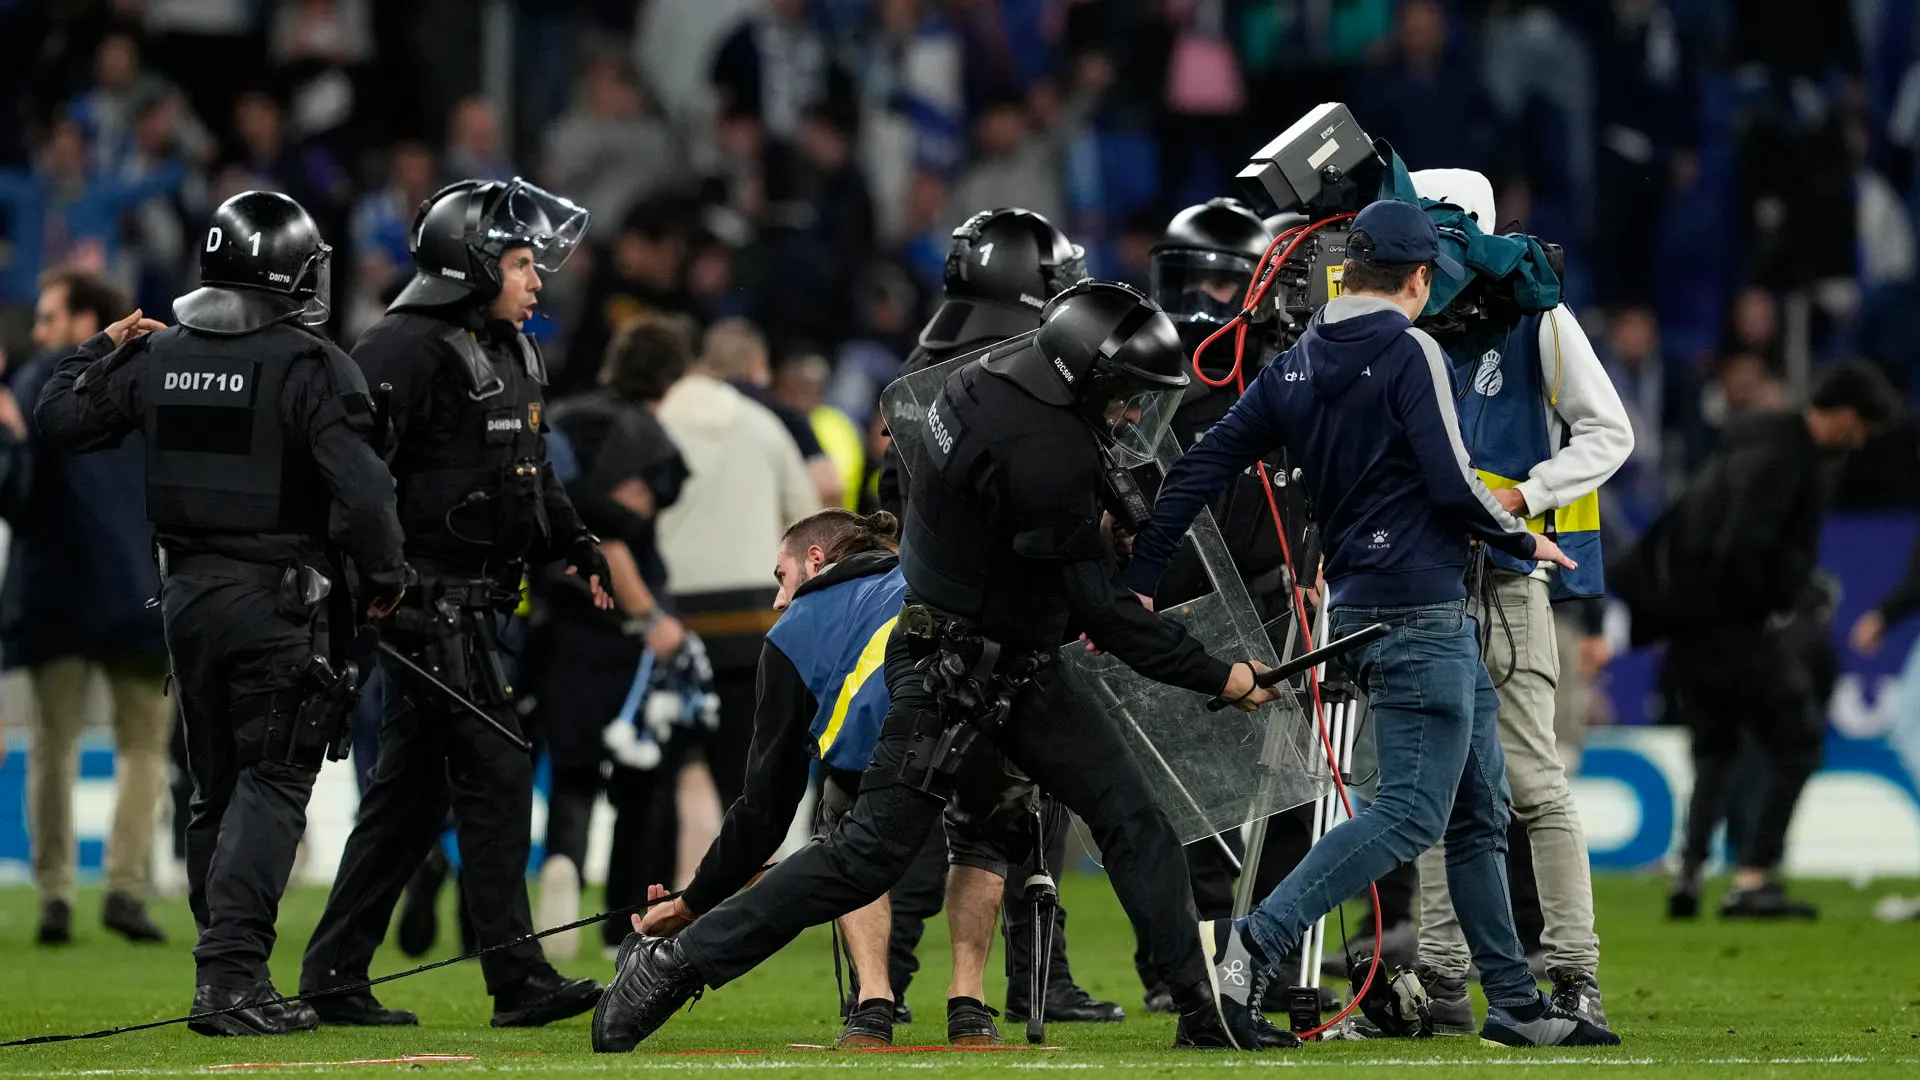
(1838, 998)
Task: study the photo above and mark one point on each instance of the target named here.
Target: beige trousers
(142, 724)
(1538, 782)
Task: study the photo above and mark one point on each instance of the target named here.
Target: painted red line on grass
(921, 1049)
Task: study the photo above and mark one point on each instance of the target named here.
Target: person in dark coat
(79, 578)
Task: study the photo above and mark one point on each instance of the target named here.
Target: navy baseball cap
(1393, 231)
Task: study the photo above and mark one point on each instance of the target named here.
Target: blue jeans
(1433, 711)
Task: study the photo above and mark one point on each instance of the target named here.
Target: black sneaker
(1552, 1026)
(1768, 901)
(235, 1011)
(128, 917)
(1233, 974)
(1067, 1004)
(651, 980)
(359, 1010)
(970, 1023)
(867, 1027)
(543, 998)
(56, 923)
(1577, 991)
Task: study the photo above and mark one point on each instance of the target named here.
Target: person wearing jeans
(1363, 404)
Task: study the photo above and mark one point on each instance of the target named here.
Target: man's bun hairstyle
(841, 533)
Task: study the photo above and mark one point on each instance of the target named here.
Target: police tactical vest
(457, 491)
(217, 454)
(837, 640)
(1503, 398)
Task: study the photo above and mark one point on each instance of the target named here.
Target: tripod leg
(1042, 898)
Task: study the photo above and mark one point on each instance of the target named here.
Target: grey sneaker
(1447, 1003)
(1578, 992)
(1233, 973)
(1553, 1026)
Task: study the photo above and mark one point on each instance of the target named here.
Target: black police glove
(585, 559)
(385, 589)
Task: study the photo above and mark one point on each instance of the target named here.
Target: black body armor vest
(217, 453)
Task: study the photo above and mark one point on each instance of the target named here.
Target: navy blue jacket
(1363, 403)
(80, 567)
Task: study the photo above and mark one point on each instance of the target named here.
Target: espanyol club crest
(1488, 379)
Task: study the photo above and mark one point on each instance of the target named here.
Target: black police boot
(235, 1011)
(56, 923)
(970, 1023)
(360, 1010)
(902, 1014)
(420, 909)
(290, 1015)
(651, 980)
(1683, 900)
(542, 998)
(1067, 1003)
(127, 916)
(868, 1027)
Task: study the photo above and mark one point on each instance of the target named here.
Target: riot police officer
(1003, 557)
(479, 503)
(1001, 269)
(256, 430)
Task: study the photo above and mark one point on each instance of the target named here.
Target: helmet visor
(319, 277)
(1137, 418)
(552, 226)
(1199, 286)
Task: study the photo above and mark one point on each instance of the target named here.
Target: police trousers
(434, 755)
(232, 646)
(1072, 752)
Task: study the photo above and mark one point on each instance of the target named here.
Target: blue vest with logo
(1503, 398)
(837, 640)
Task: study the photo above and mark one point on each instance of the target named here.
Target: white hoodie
(746, 484)
(1586, 403)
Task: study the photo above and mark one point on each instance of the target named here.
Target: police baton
(1314, 658)
(456, 697)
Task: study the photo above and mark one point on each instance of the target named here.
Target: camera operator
(1002, 558)
(1363, 403)
(1544, 428)
(479, 503)
(1718, 575)
(1002, 267)
(255, 431)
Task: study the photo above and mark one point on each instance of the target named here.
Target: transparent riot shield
(1209, 771)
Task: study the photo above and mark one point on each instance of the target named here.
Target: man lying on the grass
(821, 697)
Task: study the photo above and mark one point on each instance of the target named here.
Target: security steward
(1002, 267)
(1003, 559)
(822, 700)
(256, 432)
(480, 503)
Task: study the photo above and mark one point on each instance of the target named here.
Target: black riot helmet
(1109, 353)
(1002, 269)
(1199, 272)
(263, 262)
(461, 231)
